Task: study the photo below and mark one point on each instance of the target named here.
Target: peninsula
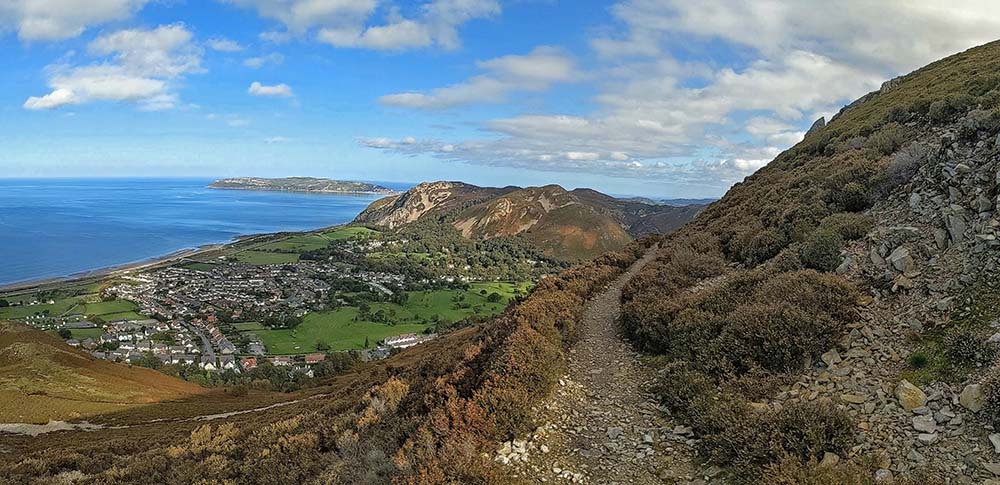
(300, 184)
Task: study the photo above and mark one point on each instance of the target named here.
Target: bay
(59, 227)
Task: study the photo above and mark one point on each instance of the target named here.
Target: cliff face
(567, 225)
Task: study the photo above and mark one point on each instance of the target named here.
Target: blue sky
(662, 98)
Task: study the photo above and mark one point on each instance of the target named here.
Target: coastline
(174, 257)
(318, 192)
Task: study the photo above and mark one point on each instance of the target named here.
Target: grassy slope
(42, 379)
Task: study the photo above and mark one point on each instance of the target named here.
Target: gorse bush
(991, 393)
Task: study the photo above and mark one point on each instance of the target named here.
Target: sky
(660, 98)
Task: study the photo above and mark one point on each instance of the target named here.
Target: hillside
(300, 184)
(832, 318)
(43, 379)
(569, 225)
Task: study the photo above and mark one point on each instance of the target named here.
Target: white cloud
(136, 66)
(221, 44)
(347, 23)
(260, 61)
(763, 72)
(535, 71)
(48, 20)
(278, 90)
(274, 140)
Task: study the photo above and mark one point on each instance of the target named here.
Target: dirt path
(601, 425)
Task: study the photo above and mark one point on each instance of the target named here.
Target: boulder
(972, 397)
(995, 441)
(831, 357)
(910, 396)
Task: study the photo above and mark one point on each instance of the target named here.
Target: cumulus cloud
(278, 90)
(221, 44)
(348, 23)
(535, 71)
(765, 71)
(48, 20)
(138, 66)
(260, 61)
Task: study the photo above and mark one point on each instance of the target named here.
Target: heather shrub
(904, 164)
(849, 225)
(850, 197)
(821, 250)
(756, 247)
(886, 140)
(792, 471)
(778, 337)
(965, 347)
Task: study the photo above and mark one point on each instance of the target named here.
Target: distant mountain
(683, 202)
(565, 224)
(42, 379)
(300, 184)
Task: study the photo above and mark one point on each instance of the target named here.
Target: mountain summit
(569, 225)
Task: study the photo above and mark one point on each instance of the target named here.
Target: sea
(51, 228)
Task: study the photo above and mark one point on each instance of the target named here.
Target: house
(89, 343)
(183, 359)
(256, 348)
(226, 347)
(73, 342)
(402, 341)
(207, 363)
(227, 362)
(248, 363)
(315, 358)
(281, 360)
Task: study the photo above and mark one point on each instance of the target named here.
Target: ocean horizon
(59, 227)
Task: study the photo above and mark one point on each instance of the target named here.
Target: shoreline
(317, 192)
(97, 274)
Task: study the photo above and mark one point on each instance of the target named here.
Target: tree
(322, 346)
(65, 334)
(494, 297)
(366, 342)
(4, 303)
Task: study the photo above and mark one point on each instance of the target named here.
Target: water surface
(59, 227)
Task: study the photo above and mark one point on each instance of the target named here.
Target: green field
(245, 326)
(107, 310)
(350, 232)
(56, 309)
(263, 257)
(338, 328)
(301, 243)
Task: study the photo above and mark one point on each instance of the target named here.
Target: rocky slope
(566, 224)
(894, 204)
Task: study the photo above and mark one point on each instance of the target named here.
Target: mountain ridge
(576, 224)
(300, 184)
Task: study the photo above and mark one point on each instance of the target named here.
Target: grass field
(263, 257)
(338, 328)
(301, 243)
(60, 307)
(351, 232)
(199, 266)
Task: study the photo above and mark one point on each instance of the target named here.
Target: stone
(956, 227)
(505, 448)
(614, 432)
(925, 424)
(983, 204)
(910, 397)
(995, 441)
(901, 260)
(972, 397)
(829, 459)
(853, 398)
(927, 438)
(993, 468)
(914, 456)
(883, 475)
(544, 448)
(817, 125)
(941, 238)
(831, 357)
